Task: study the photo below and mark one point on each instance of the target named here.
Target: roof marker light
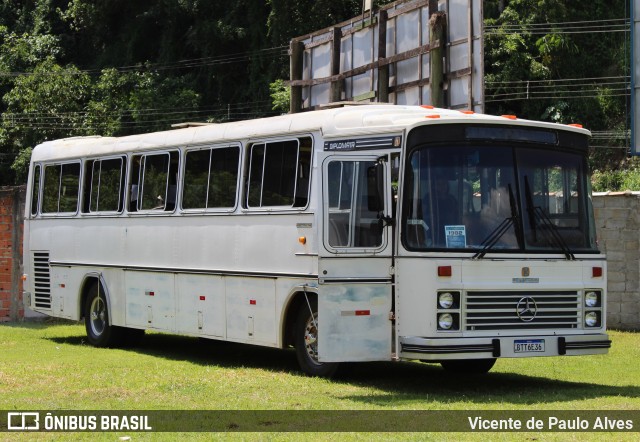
(432, 116)
(468, 112)
(575, 125)
(509, 117)
(427, 106)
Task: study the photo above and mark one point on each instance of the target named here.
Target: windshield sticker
(456, 237)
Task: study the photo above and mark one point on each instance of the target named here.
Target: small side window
(210, 178)
(104, 184)
(35, 190)
(351, 218)
(279, 174)
(61, 186)
(154, 182)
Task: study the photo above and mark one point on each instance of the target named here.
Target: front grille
(495, 310)
(42, 280)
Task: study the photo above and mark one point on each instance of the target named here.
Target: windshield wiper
(554, 234)
(551, 232)
(502, 228)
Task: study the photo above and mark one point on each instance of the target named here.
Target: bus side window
(153, 182)
(35, 192)
(279, 174)
(350, 220)
(104, 181)
(61, 188)
(211, 178)
(303, 177)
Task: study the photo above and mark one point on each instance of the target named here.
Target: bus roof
(332, 123)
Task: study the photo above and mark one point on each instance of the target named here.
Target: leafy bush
(626, 178)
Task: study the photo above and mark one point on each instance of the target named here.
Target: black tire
(306, 342)
(100, 333)
(468, 366)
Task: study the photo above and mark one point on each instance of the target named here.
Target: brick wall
(11, 228)
(618, 227)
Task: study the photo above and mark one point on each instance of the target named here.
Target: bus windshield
(498, 198)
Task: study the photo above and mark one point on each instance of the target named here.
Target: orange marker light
(432, 116)
(509, 117)
(575, 125)
(302, 240)
(468, 112)
(427, 106)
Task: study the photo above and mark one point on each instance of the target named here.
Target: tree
(530, 54)
(44, 105)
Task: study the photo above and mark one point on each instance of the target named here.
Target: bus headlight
(445, 300)
(445, 321)
(592, 319)
(592, 299)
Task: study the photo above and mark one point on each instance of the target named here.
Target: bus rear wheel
(100, 333)
(306, 342)
(469, 366)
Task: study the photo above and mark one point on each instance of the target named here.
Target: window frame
(43, 174)
(248, 170)
(124, 169)
(210, 148)
(36, 190)
(348, 249)
(139, 182)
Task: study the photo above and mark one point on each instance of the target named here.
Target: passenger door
(355, 297)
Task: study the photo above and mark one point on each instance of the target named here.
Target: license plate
(529, 346)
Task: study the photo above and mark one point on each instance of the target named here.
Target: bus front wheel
(100, 333)
(306, 341)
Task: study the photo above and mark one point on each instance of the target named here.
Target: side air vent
(42, 278)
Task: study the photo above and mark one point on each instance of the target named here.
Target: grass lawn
(49, 366)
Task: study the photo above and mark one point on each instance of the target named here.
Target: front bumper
(412, 347)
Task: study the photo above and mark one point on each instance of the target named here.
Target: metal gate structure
(346, 62)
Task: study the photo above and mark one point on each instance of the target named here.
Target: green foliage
(45, 105)
(620, 179)
(280, 95)
(516, 51)
(20, 165)
(526, 70)
(86, 67)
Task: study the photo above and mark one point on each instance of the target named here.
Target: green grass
(49, 366)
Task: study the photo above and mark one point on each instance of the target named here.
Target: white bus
(361, 233)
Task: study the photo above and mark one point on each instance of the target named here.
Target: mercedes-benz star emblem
(526, 309)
